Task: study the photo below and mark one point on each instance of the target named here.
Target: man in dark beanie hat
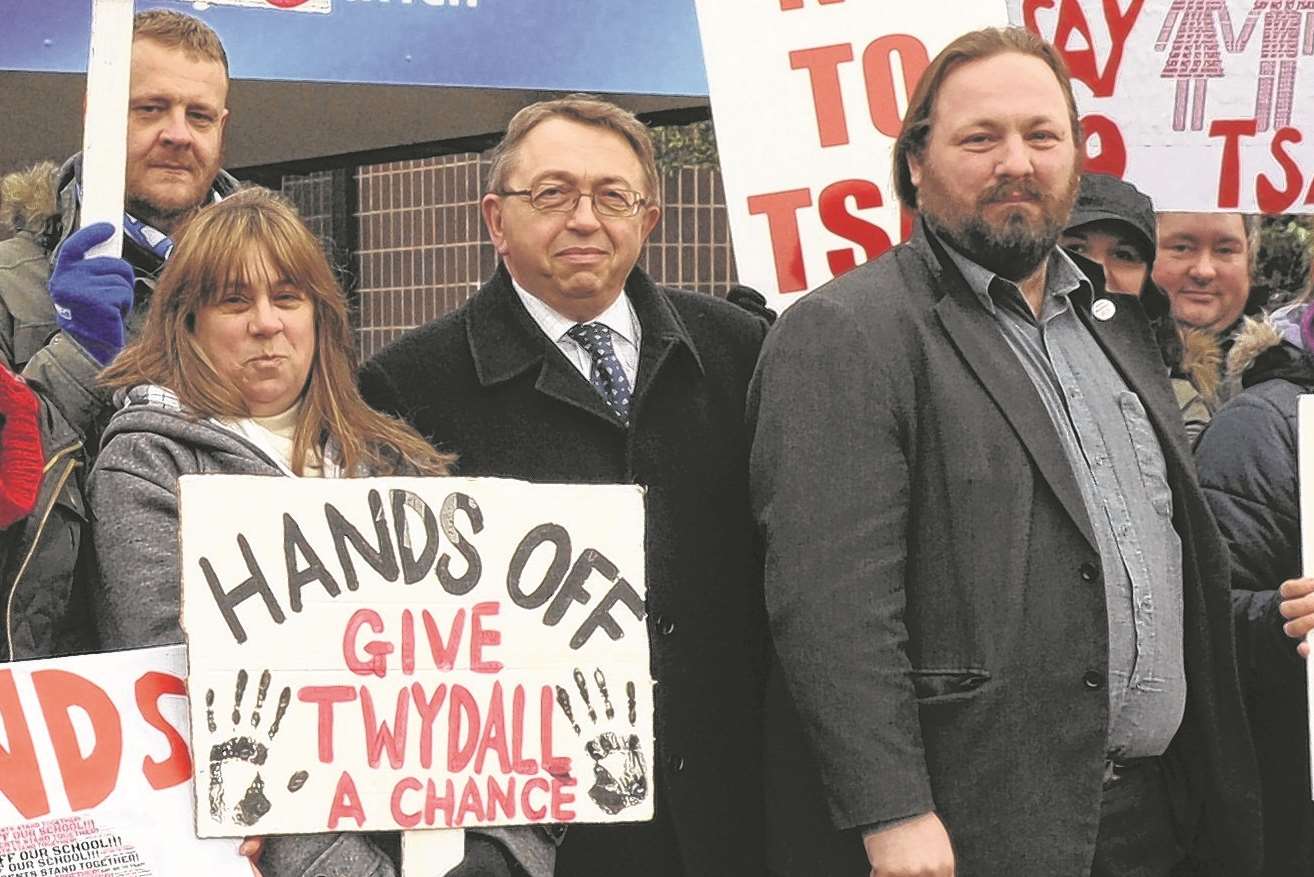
(1113, 223)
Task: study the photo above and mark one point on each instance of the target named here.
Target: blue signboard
(621, 46)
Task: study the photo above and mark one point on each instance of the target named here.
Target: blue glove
(92, 297)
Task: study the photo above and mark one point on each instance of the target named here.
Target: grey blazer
(934, 590)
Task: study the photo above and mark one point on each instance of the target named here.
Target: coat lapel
(505, 342)
(987, 354)
(664, 336)
(1126, 341)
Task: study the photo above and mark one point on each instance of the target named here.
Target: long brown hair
(213, 253)
(975, 45)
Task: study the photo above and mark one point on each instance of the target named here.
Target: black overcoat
(486, 383)
(935, 593)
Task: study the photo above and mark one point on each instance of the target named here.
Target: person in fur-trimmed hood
(63, 317)
(1247, 465)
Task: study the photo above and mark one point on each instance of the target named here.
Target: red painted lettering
(428, 710)
(878, 68)
(400, 816)
(379, 736)
(480, 637)
(20, 774)
(503, 797)
(325, 697)
(433, 802)
(87, 780)
(822, 64)
(563, 797)
(781, 209)
(835, 216)
(177, 767)
(1270, 198)
(346, 803)
(472, 803)
(444, 656)
(462, 728)
(494, 737)
(1080, 52)
(556, 765)
(408, 642)
(519, 763)
(1229, 175)
(377, 664)
(537, 814)
(1112, 157)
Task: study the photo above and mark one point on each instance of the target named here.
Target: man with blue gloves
(63, 316)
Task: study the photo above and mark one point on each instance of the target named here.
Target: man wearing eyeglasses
(571, 365)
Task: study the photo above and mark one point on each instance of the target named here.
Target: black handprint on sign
(619, 773)
(242, 754)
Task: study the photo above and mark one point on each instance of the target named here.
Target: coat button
(1089, 572)
(675, 763)
(1094, 680)
(667, 626)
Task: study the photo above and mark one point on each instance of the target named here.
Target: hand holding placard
(92, 294)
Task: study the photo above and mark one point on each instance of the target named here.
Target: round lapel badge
(1103, 309)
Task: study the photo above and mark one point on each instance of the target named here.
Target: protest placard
(89, 745)
(808, 97)
(1202, 104)
(383, 654)
(1305, 478)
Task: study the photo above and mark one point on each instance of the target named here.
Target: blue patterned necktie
(607, 376)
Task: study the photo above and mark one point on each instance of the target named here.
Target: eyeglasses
(607, 201)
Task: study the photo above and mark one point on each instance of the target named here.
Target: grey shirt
(1119, 467)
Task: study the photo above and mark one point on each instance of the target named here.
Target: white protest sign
(1305, 471)
(1204, 105)
(384, 654)
(808, 97)
(105, 126)
(91, 744)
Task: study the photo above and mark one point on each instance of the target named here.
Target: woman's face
(260, 335)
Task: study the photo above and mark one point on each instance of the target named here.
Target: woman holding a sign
(245, 366)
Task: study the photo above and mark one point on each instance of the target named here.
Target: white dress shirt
(619, 317)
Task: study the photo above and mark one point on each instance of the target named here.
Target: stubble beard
(1014, 249)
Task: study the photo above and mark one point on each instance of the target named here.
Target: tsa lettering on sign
(1176, 92)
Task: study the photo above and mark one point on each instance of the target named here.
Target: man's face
(1113, 245)
(576, 262)
(998, 175)
(1203, 264)
(176, 119)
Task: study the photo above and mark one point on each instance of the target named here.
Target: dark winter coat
(486, 383)
(1248, 467)
(935, 592)
(42, 585)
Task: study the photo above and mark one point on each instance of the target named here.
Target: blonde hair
(587, 110)
(175, 30)
(213, 253)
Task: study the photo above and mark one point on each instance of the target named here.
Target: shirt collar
(1062, 276)
(619, 316)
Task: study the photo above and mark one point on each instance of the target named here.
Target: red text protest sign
(378, 654)
(808, 97)
(87, 746)
(1203, 104)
